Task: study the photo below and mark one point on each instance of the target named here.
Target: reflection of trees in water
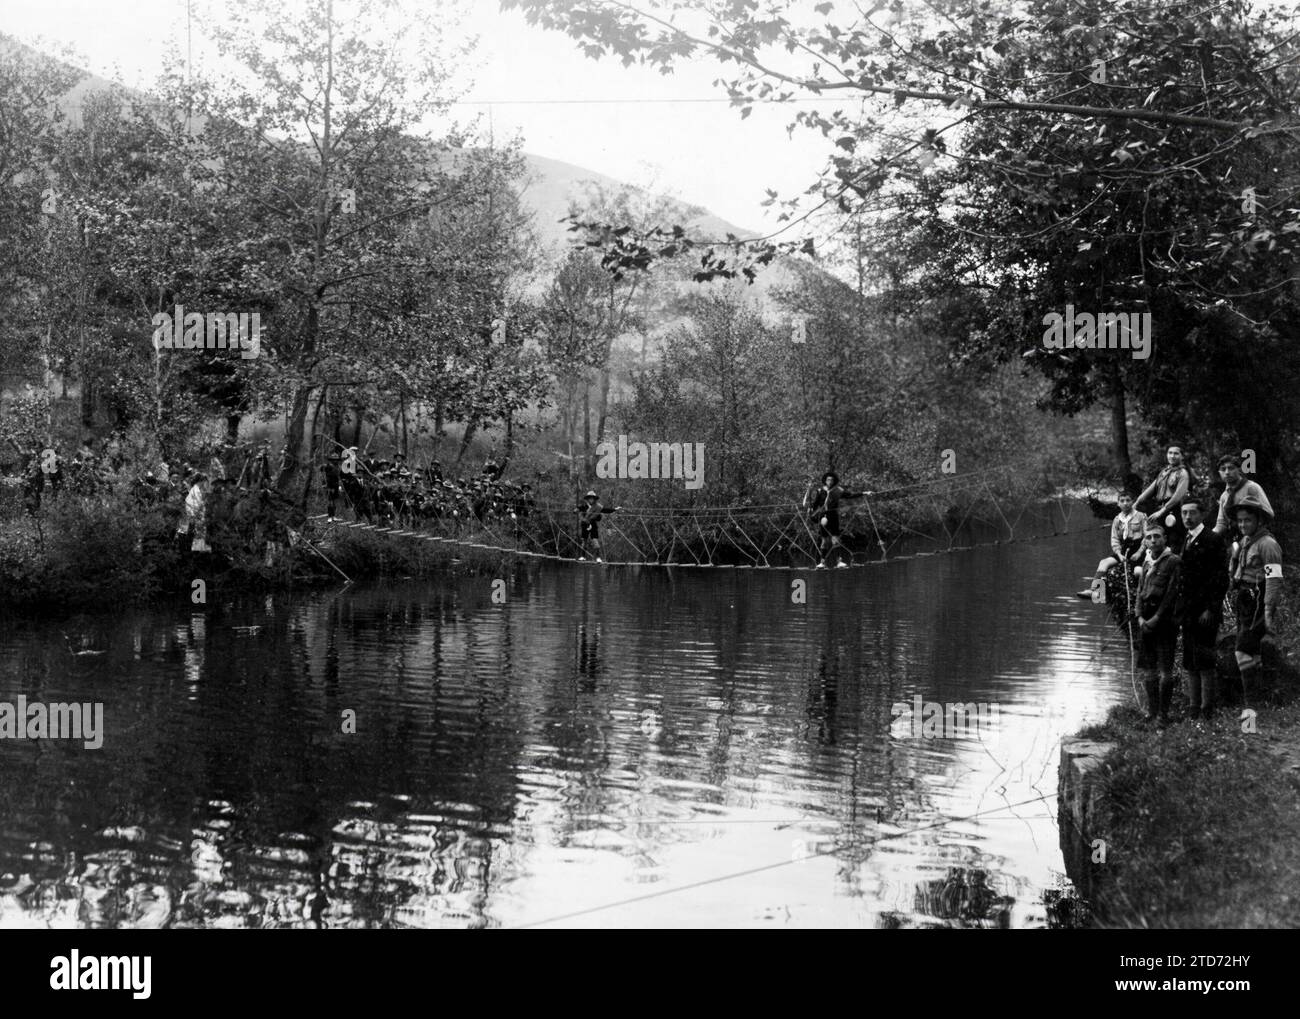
(573, 719)
(623, 704)
(241, 803)
(962, 898)
(965, 895)
(589, 664)
(823, 698)
(1066, 909)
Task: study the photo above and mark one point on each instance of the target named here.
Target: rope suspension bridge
(774, 536)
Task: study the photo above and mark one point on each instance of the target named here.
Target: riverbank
(80, 552)
(87, 554)
(499, 734)
(1203, 819)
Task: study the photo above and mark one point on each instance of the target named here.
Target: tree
(1112, 150)
(460, 343)
(1031, 215)
(573, 327)
(586, 311)
(715, 384)
(130, 233)
(317, 155)
(30, 84)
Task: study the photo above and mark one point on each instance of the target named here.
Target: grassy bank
(80, 552)
(1206, 816)
(362, 554)
(85, 554)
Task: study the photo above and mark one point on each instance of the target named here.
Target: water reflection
(689, 744)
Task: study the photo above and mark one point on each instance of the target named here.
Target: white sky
(534, 82)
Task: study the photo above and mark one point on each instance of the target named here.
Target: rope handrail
(786, 533)
(960, 482)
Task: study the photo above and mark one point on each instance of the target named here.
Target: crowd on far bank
(392, 491)
(1191, 560)
(223, 503)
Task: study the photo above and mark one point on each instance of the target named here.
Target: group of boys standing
(392, 492)
(1184, 568)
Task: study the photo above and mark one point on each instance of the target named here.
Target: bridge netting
(964, 511)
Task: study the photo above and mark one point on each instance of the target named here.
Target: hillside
(551, 185)
(548, 189)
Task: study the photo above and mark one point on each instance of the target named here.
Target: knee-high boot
(1209, 681)
(1153, 698)
(1249, 684)
(1166, 695)
(1194, 693)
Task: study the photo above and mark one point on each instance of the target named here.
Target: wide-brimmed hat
(1252, 504)
(591, 495)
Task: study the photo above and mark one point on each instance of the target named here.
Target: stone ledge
(1082, 807)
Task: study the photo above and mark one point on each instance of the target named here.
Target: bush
(84, 551)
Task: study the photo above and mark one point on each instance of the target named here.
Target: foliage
(1001, 162)
(30, 82)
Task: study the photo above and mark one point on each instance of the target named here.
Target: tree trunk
(87, 403)
(466, 439)
(292, 469)
(510, 441)
(605, 373)
(48, 376)
(232, 428)
(315, 446)
(587, 465)
(294, 435)
(405, 450)
(568, 412)
(604, 404)
(1120, 460)
(157, 406)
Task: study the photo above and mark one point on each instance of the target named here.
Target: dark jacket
(589, 516)
(1204, 575)
(828, 499)
(1158, 591)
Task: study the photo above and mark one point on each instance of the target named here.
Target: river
(611, 747)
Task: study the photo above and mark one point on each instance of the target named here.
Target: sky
(676, 134)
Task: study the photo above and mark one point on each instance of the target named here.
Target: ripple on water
(601, 734)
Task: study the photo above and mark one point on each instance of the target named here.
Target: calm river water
(611, 747)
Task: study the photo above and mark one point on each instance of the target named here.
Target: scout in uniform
(1255, 569)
